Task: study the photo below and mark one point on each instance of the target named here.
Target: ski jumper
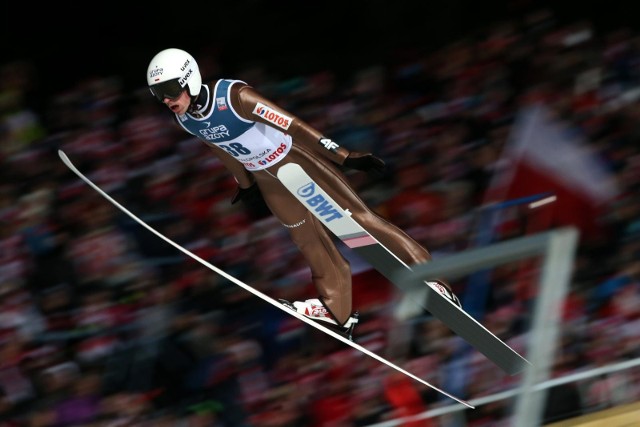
(254, 137)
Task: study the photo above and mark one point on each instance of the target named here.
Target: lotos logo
(318, 202)
(272, 116)
(271, 157)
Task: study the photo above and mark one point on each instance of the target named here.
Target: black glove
(364, 162)
(247, 195)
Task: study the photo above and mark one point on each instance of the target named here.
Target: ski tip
(65, 159)
(63, 156)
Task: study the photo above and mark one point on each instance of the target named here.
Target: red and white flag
(543, 155)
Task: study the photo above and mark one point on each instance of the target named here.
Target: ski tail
(65, 159)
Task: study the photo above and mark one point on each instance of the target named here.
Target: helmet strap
(199, 102)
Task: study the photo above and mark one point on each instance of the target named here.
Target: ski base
(254, 291)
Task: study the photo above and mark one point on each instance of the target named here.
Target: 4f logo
(318, 203)
(329, 144)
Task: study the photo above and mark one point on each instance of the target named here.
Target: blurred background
(470, 104)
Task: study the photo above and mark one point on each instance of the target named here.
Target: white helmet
(170, 71)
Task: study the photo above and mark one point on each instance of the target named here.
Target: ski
(65, 159)
(339, 221)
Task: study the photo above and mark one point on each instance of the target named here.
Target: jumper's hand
(247, 195)
(364, 162)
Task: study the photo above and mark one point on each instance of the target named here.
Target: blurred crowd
(104, 324)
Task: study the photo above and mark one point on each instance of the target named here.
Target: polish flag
(544, 155)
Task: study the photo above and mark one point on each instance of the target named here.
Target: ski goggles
(170, 89)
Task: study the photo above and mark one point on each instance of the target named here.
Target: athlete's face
(180, 104)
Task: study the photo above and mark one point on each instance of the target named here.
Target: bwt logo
(317, 201)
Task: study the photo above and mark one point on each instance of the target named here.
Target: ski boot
(314, 309)
(445, 290)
